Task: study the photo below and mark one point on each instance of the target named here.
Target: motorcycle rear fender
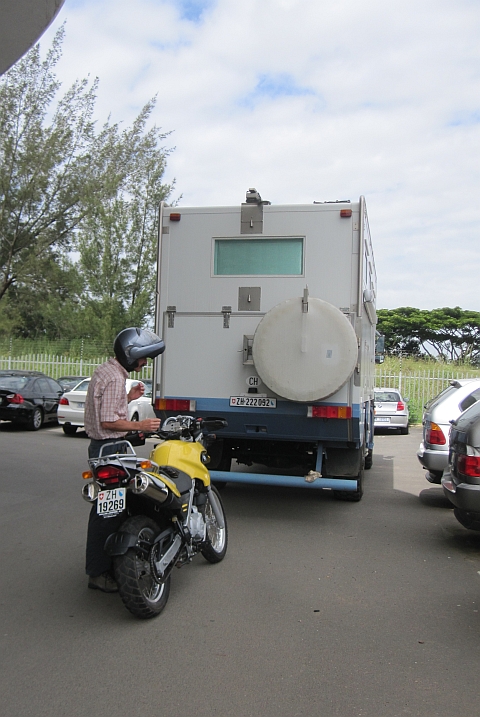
(119, 543)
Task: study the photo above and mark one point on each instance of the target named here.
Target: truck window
(259, 257)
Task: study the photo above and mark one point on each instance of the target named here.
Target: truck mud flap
(286, 481)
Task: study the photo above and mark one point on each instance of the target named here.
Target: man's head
(133, 346)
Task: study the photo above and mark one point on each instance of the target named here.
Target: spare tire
(304, 356)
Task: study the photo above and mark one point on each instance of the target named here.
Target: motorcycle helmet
(133, 344)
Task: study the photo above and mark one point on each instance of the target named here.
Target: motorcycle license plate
(253, 401)
(111, 502)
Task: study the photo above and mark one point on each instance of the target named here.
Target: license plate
(253, 402)
(111, 502)
(80, 405)
(382, 419)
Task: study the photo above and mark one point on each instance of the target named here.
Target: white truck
(268, 315)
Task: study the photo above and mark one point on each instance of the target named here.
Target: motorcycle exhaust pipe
(149, 486)
(90, 492)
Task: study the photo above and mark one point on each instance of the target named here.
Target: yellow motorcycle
(172, 512)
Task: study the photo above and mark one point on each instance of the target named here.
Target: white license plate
(80, 405)
(382, 419)
(111, 502)
(253, 402)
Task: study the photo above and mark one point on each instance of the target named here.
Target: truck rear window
(259, 257)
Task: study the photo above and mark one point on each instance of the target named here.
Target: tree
(46, 169)
(117, 241)
(452, 334)
(65, 186)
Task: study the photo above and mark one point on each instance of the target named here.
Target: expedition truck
(268, 315)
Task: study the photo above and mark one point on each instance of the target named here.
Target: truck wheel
(369, 459)
(351, 496)
(220, 460)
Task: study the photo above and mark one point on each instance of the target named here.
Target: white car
(71, 407)
(391, 410)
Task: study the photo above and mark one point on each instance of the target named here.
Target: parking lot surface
(320, 607)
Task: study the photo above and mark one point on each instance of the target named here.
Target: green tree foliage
(452, 334)
(78, 208)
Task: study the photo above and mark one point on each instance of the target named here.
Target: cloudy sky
(310, 100)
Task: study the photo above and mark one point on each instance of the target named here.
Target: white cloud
(310, 100)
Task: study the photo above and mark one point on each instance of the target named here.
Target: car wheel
(134, 417)
(69, 430)
(36, 420)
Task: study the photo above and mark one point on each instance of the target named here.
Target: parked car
(461, 480)
(28, 398)
(71, 408)
(69, 382)
(446, 407)
(391, 410)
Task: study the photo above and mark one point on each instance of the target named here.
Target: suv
(447, 406)
(461, 480)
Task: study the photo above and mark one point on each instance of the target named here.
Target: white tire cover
(304, 356)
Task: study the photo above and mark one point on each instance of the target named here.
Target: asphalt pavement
(320, 607)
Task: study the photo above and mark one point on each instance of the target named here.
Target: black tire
(216, 542)
(369, 459)
(69, 430)
(36, 420)
(351, 496)
(220, 460)
(140, 593)
(404, 431)
(134, 417)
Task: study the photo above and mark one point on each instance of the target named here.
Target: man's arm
(149, 425)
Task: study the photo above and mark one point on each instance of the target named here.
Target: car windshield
(387, 396)
(15, 383)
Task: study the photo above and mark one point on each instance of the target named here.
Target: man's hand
(136, 391)
(148, 425)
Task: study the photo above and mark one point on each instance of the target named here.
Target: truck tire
(369, 459)
(351, 496)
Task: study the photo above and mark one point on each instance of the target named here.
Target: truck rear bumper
(284, 480)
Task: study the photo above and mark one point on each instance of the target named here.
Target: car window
(470, 400)
(82, 386)
(387, 396)
(54, 386)
(441, 396)
(42, 386)
(15, 383)
(148, 389)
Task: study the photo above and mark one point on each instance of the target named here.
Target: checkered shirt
(106, 400)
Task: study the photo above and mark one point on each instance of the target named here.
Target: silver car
(447, 406)
(391, 410)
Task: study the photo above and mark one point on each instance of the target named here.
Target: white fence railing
(420, 386)
(57, 366)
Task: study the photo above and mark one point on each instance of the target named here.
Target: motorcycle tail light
(434, 435)
(110, 475)
(15, 398)
(469, 465)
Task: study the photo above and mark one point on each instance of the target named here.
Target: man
(106, 420)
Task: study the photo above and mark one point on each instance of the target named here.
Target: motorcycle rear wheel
(216, 541)
(140, 593)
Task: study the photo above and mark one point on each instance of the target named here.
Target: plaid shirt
(106, 400)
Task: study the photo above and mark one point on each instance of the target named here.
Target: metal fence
(419, 387)
(57, 366)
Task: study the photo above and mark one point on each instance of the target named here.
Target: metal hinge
(171, 316)
(227, 312)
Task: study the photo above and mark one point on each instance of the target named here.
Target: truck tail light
(329, 411)
(400, 406)
(469, 465)
(175, 404)
(434, 435)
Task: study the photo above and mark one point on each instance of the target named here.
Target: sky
(309, 100)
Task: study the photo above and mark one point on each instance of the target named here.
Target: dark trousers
(99, 528)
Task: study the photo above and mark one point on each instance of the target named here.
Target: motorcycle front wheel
(140, 593)
(216, 542)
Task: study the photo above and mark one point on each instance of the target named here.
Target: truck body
(268, 315)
